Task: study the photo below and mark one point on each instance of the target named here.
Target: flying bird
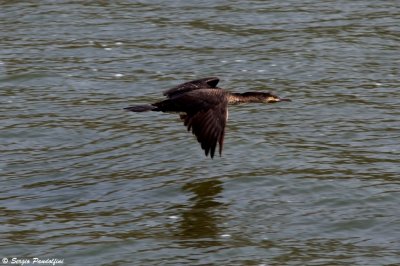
(203, 107)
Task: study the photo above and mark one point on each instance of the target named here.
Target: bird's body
(204, 108)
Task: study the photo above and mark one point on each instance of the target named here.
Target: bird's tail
(141, 108)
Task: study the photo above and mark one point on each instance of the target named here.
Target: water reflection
(203, 218)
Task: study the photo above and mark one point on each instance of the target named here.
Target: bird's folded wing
(205, 83)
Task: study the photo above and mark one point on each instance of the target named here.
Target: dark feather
(205, 83)
(209, 127)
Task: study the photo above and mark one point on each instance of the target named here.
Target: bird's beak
(284, 100)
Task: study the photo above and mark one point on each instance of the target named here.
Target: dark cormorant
(204, 108)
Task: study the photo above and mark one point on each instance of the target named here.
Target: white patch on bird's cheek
(273, 100)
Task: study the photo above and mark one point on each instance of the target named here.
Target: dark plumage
(204, 108)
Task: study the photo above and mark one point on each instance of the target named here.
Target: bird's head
(271, 98)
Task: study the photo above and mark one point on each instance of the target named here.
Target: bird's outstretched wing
(205, 83)
(208, 126)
